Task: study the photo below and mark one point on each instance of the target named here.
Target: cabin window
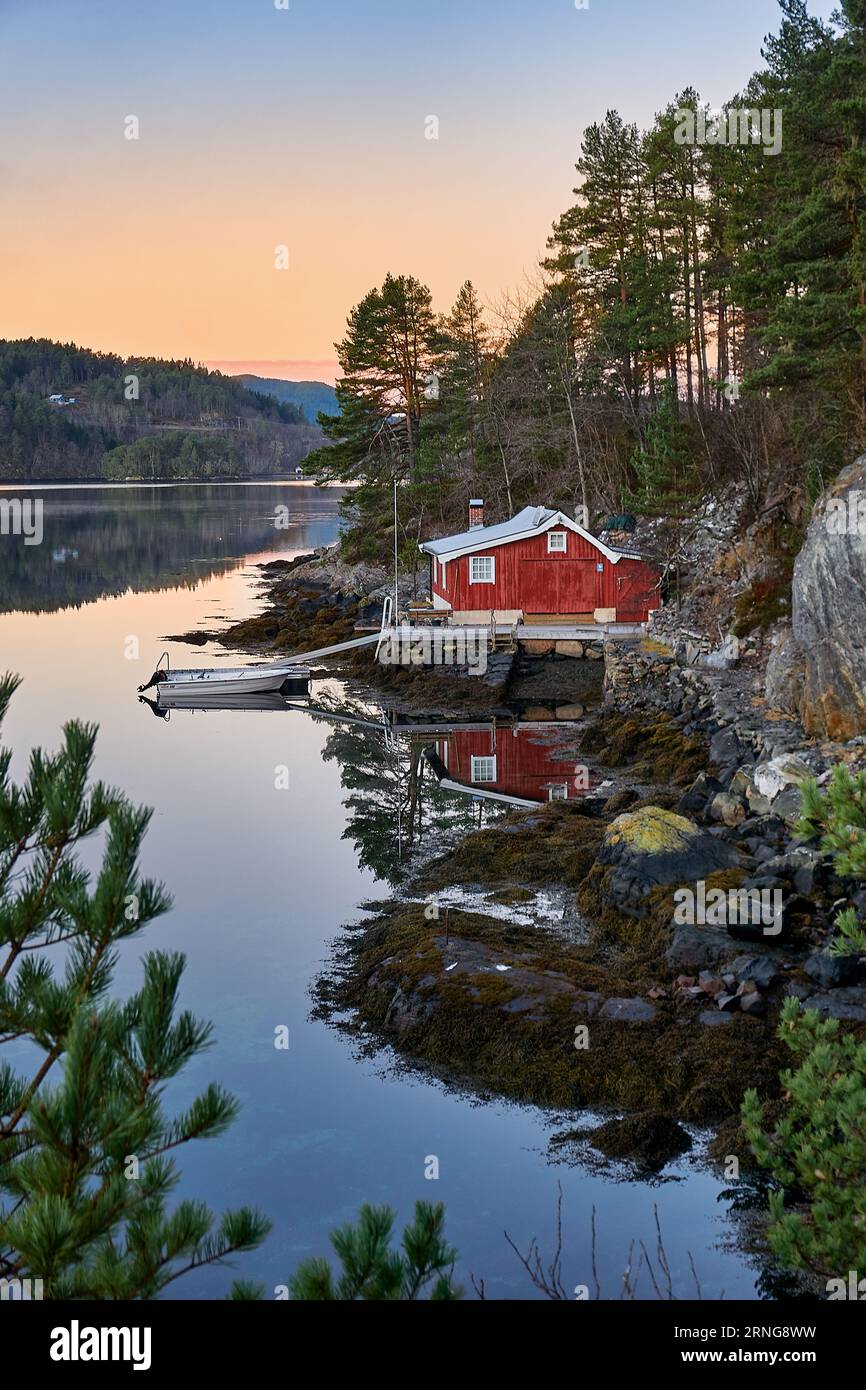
(482, 569)
(557, 542)
(558, 792)
(484, 769)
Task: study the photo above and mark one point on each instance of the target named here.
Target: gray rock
(783, 771)
(764, 853)
(692, 948)
(628, 1010)
(831, 971)
(652, 847)
(849, 1003)
(727, 1002)
(725, 748)
(795, 989)
(727, 808)
(711, 1018)
(762, 969)
(717, 661)
(759, 805)
(753, 1003)
(789, 805)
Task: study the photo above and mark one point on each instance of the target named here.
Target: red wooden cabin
(539, 565)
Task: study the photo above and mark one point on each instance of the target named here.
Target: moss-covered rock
(650, 847)
(650, 830)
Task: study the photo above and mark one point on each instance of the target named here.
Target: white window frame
(475, 770)
(557, 549)
(488, 559)
(557, 791)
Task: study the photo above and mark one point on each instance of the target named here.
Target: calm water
(262, 880)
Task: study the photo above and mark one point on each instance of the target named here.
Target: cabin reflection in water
(513, 765)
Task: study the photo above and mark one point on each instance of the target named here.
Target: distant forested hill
(311, 396)
(140, 417)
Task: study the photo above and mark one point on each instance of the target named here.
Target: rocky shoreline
(642, 1014)
(679, 1018)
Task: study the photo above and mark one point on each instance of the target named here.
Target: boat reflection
(205, 704)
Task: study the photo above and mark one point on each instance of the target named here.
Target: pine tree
(662, 462)
(812, 250)
(462, 363)
(86, 1147)
(387, 364)
(372, 1270)
(838, 818)
(593, 243)
(816, 1149)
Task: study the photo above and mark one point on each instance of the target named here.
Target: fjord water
(262, 879)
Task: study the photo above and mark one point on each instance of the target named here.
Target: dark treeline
(143, 417)
(699, 322)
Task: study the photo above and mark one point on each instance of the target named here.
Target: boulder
(849, 1004)
(569, 648)
(727, 808)
(831, 971)
(773, 777)
(652, 847)
(692, 948)
(761, 970)
(570, 711)
(828, 590)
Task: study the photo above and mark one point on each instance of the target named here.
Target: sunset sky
(261, 126)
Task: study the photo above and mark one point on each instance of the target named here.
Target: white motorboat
(202, 686)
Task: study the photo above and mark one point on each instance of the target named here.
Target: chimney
(476, 512)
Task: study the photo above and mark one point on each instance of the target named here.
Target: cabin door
(559, 586)
(635, 595)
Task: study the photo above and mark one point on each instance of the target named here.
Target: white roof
(531, 521)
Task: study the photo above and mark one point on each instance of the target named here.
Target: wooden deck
(527, 632)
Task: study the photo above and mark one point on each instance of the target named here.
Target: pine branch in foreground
(85, 1171)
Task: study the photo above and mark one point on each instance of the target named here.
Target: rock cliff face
(829, 611)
